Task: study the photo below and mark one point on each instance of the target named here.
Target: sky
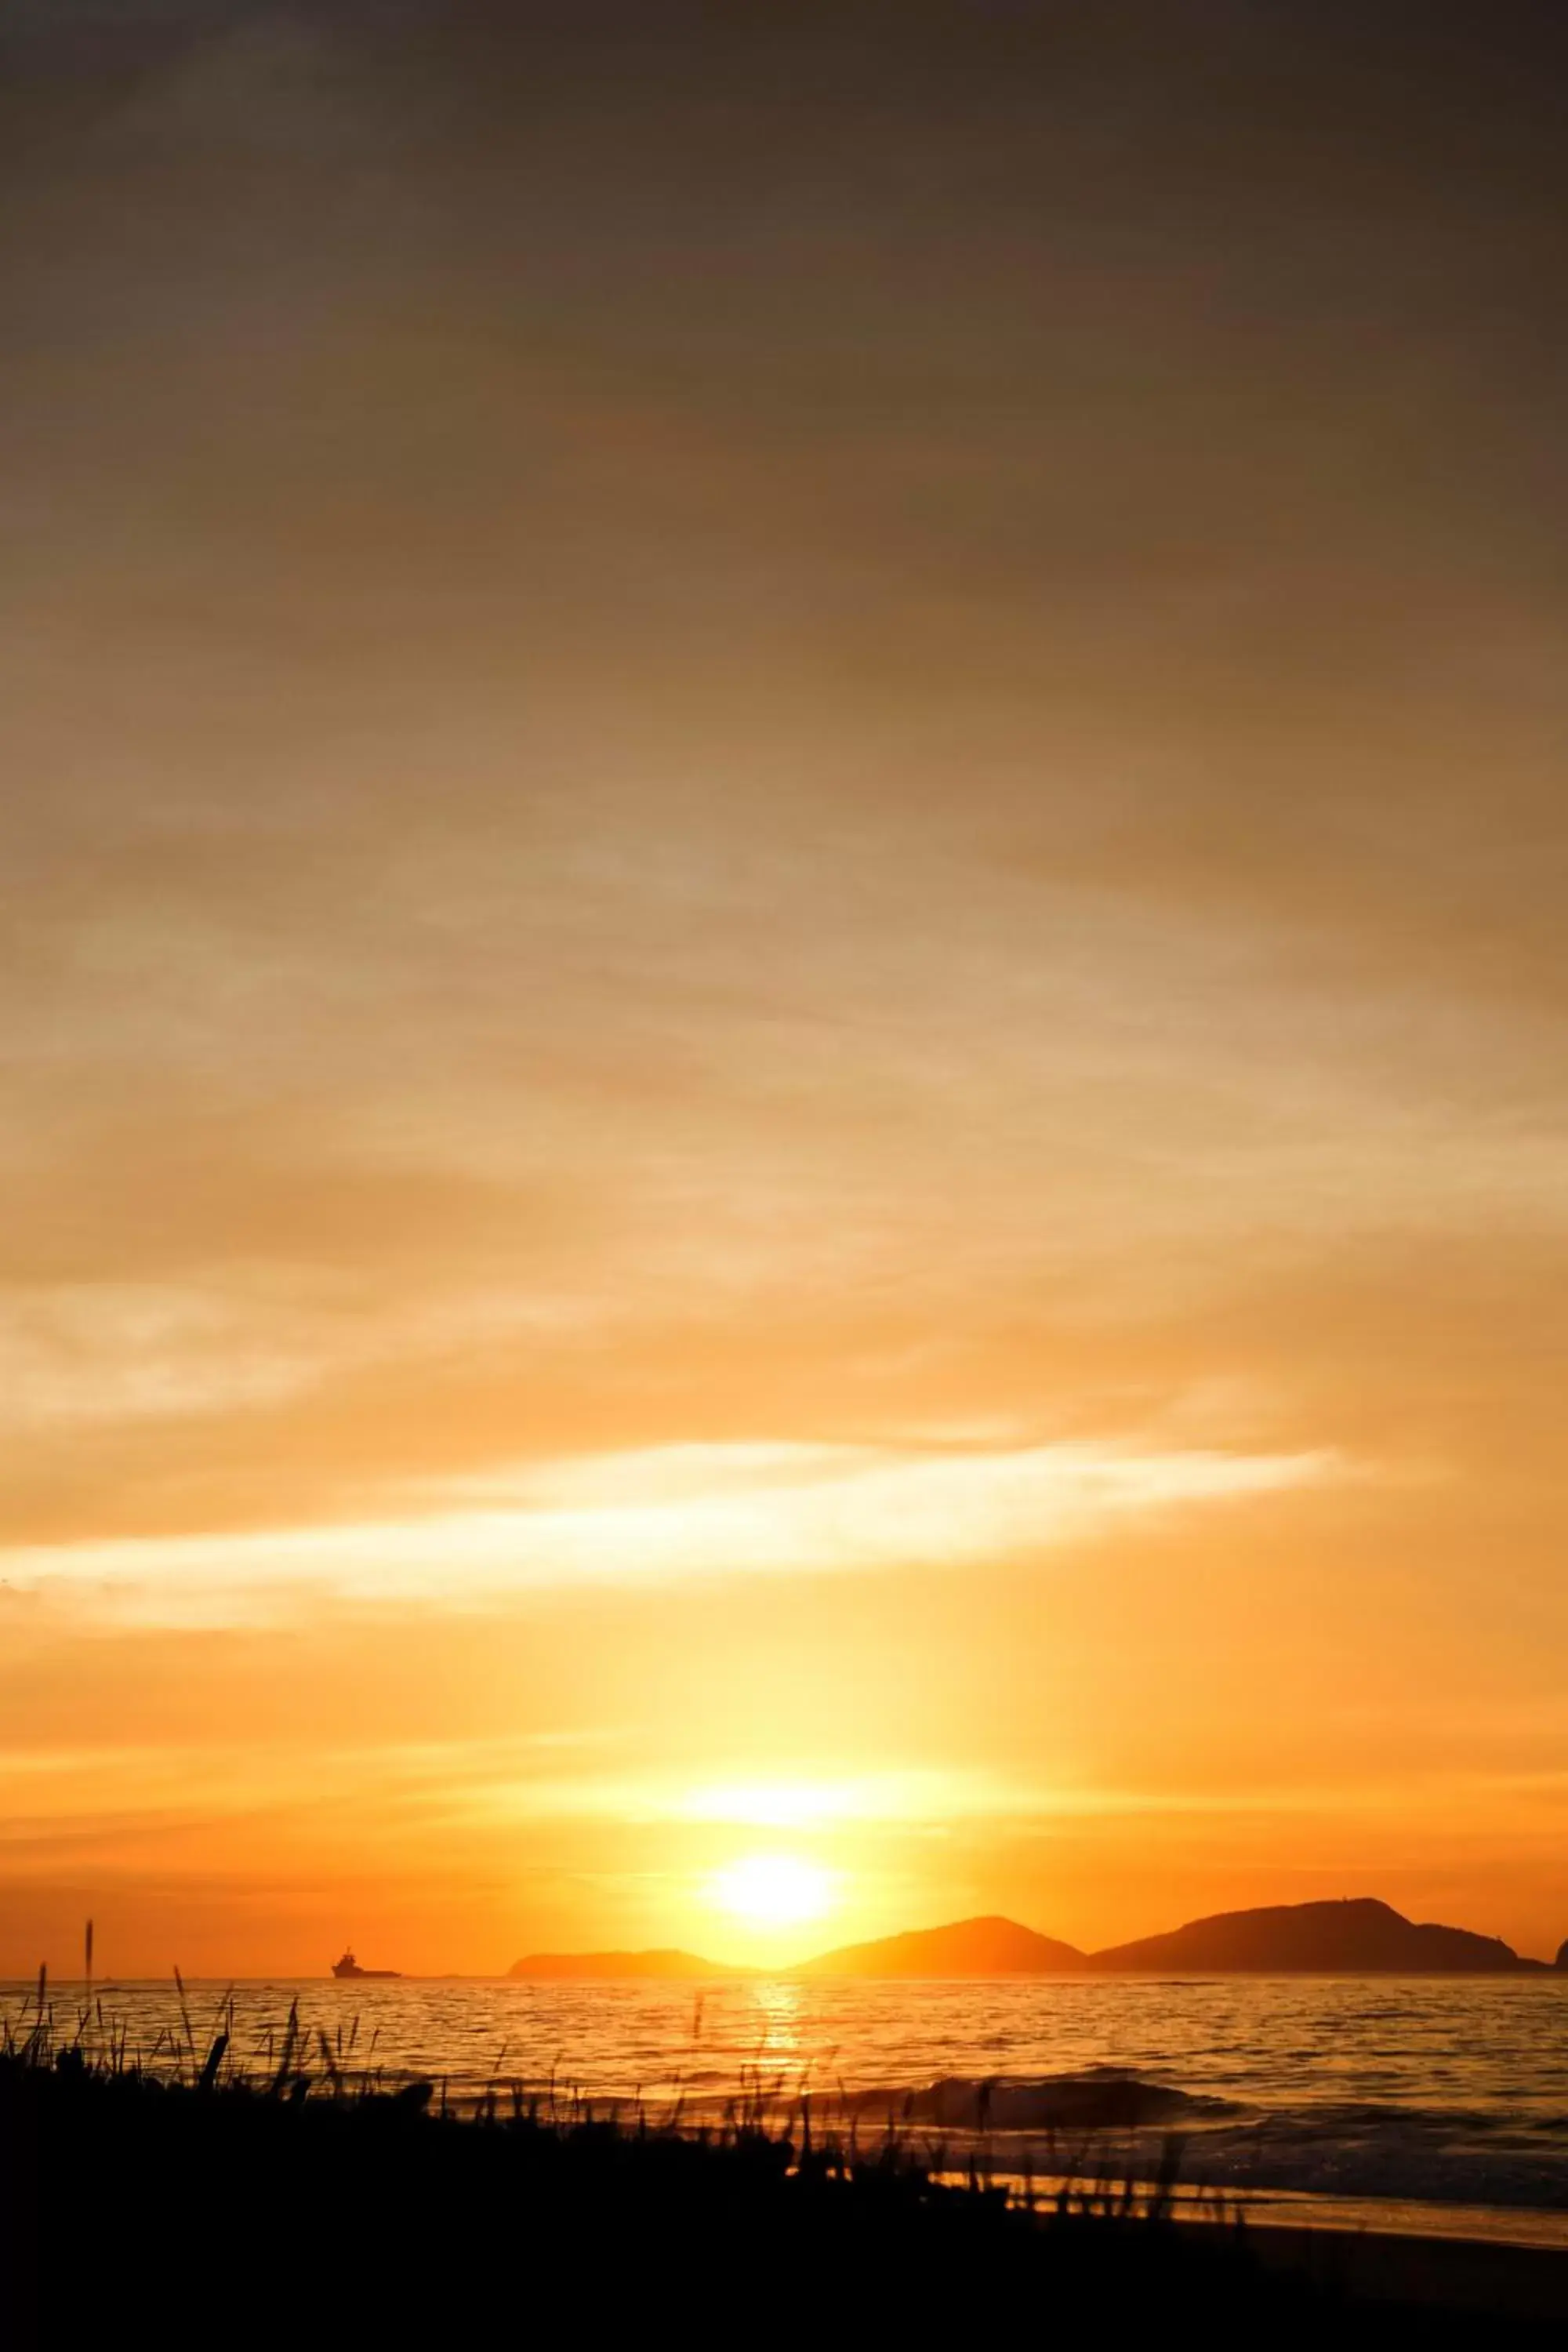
(783, 1145)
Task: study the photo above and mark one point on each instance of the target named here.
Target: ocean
(1428, 2104)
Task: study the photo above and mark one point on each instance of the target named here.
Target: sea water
(1405, 2102)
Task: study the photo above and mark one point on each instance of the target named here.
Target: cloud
(667, 1515)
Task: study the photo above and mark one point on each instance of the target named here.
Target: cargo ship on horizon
(349, 1967)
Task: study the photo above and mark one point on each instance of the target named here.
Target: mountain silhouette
(969, 1947)
(1356, 1936)
(1360, 1936)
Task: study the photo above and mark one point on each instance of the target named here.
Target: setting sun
(772, 1890)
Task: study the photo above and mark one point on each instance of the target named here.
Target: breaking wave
(1101, 2098)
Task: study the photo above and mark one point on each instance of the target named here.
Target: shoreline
(1302, 2215)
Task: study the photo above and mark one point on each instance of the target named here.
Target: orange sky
(784, 996)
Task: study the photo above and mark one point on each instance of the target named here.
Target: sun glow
(772, 1890)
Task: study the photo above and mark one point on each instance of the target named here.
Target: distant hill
(1360, 1936)
(969, 1947)
(558, 1967)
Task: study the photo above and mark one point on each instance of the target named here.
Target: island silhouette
(969, 1948)
(1357, 1935)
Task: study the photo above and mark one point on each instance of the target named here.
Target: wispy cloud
(666, 1514)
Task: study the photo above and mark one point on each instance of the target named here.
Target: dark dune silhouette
(969, 1948)
(1358, 1936)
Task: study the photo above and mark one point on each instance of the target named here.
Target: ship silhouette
(349, 1967)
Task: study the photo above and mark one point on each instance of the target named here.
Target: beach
(1398, 2105)
(426, 2131)
(310, 2202)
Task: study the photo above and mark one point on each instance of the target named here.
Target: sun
(772, 1890)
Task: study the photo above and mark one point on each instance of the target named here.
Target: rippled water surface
(1408, 2093)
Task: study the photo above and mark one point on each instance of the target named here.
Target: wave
(1354, 2148)
(1103, 2098)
